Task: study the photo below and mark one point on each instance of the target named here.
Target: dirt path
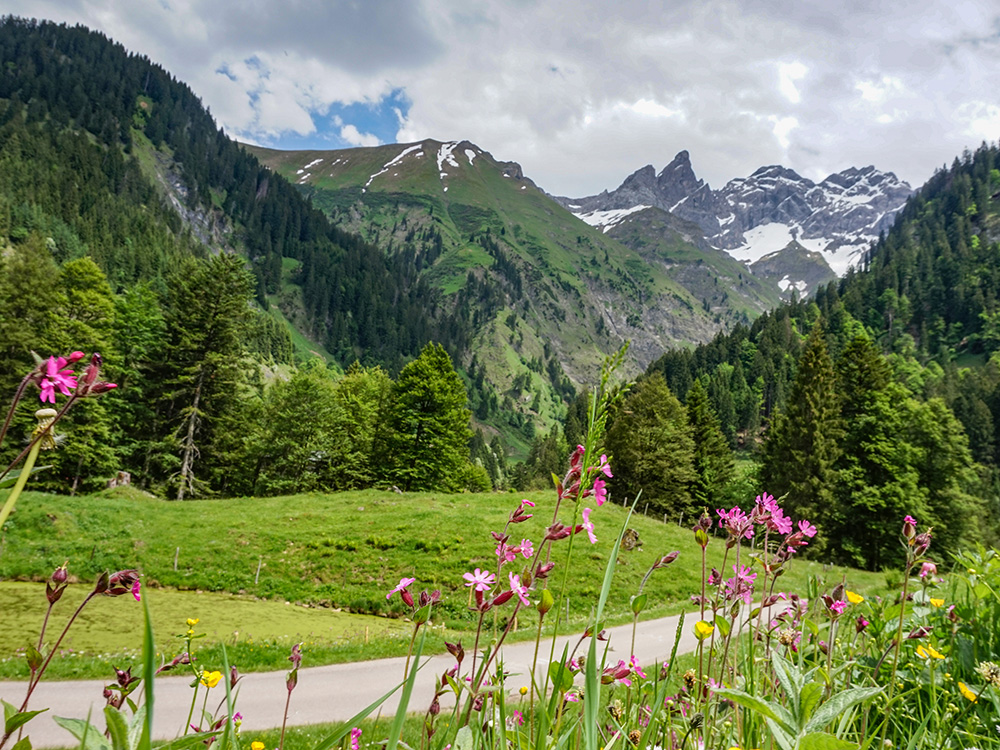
(323, 694)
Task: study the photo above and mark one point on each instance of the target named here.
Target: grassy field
(293, 559)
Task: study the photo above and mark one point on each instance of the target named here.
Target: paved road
(323, 694)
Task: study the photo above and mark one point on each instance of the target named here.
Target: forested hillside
(881, 395)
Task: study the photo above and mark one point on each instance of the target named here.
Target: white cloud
(582, 93)
(788, 74)
(351, 134)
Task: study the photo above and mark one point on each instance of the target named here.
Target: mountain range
(784, 226)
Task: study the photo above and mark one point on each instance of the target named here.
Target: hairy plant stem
(13, 405)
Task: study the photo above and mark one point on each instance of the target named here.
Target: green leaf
(16, 720)
(190, 740)
(790, 679)
(823, 741)
(8, 710)
(117, 728)
(838, 704)
(562, 678)
(777, 713)
(396, 729)
(639, 603)
(90, 737)
(11, 479)
(148, 673)
(723, 625)
(809, 698)
(783, 738)
(22, 744)
(464, 739)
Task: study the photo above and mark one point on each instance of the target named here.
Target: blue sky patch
(380, 119)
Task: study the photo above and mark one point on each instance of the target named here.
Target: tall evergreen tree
(713, 460)
(206, 309)
(429, 423)
(803, 441)
(650, 442)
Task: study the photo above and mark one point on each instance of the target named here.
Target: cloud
(583, 93)
(350, 134)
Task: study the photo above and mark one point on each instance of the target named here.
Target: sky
(583, 93)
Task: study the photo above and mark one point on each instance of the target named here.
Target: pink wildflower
(588, 526)
(481, 580)
(136, 588)
(505, 552)
(604, 467)
(909, 527)
(355, 737)
(600, 492)
(838, 607)
(860, 624)
(401, 587)
(56, 378)
(517, 588)
(736, 522)
(807, 528)
(740, 586)
(928, 569)
(526, 548)
(636, 668)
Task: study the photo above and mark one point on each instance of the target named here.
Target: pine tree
(803, 439)
(713, 460)
(650, 443)
(429, 423)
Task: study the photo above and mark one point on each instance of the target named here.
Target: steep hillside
(541, 292)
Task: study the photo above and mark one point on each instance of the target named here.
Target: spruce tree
(713, 460)
(429, 424)
(803, 438)
(651, 449)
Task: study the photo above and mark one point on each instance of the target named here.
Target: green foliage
(650, 442)
(713, 460)
(429, 423)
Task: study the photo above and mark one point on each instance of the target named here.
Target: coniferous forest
(878, 395)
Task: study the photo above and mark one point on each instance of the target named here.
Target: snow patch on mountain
(604, 220)
(391, 162)
(444, 157)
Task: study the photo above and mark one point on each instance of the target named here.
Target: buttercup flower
(256, 745)
(210, 679)
(966, 693)
(854, 598)
(703, 629)
(936, 602)
(929, 652)
(191, 622)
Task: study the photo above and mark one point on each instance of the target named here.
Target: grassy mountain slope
(542, 292)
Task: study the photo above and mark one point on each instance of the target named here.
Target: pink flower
(740, 586)
(526, 548)
(515, 719)
(636, 668)
(482, 580)
(928, 569)
(588, 526)
(807, 528)
(517, 588)
(604, 467)
(736, 522)
(506, 553)
(56, 377)
(909, 527)
(401, 587)
(838, 607)
(355, 736)
(860, 624)
(136, 587)
(600, 492)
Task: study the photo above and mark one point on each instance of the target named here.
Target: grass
(343, 551)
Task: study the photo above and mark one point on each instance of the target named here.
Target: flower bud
(909, 528)
(60, 575)
(407, 597)
(435, 708)
(921, 543)
(544, 570)
(456, 650)
(667, 559)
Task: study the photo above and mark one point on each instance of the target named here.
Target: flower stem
(29, 464)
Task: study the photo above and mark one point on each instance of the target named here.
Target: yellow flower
(257, 745)
(937, 602)
(854, 598)
(930, 652)
(703, 629)
(523, 690)
(192, 622)
(210, 679)
(969, 695)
